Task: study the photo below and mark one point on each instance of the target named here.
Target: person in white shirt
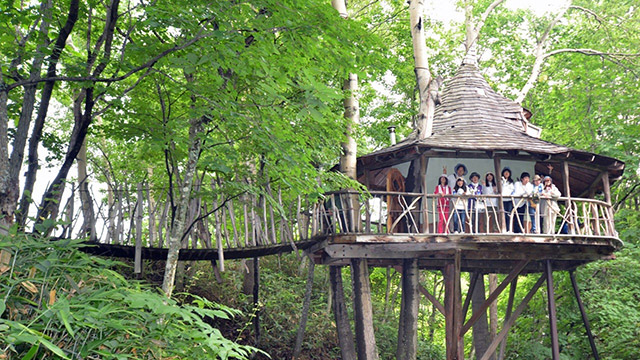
(549, 197)
(459, 171)
(491, 204)
(460, 205)
(534, 205)
(522, 188)
(507, 190)
(474, 188)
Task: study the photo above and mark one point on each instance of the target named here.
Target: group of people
(524, 201)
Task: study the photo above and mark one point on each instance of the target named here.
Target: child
(474, 188)
(443, 203)
(460, 215)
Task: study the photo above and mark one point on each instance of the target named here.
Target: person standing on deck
(507, 190)
(522, 188)
(459, 171)
(491, 204)
(460, 205)
(474, 188)
(549, 196)
(534, 208)
(442, 190)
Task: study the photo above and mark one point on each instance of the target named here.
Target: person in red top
(443, 203)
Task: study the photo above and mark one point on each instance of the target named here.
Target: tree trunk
(345, 336)
(88, 224)
(424, 119)
(481, 335)
(363, 310)
(178, 226)
(43, 108)
(407, 348)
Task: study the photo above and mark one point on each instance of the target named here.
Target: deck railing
(348, 212)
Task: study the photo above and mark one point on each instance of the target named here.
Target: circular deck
(487, 253)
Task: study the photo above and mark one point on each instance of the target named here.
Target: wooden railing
(415, 213)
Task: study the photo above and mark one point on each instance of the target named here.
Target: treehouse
(401, 223)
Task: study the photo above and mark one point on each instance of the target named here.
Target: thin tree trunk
(424, 118)
(178, 226)
(88, 225)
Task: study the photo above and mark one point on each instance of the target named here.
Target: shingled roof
(472, 117)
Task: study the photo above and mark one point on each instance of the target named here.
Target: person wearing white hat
(550, 195)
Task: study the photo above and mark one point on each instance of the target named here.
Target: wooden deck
(487, 253)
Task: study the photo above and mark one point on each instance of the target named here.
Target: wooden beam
(505, 329)
(432, 299)
(507, 316)
(494, 295)
(553, 319)
(585, 320)
(567, 188)
(467, 300)
(498, 179)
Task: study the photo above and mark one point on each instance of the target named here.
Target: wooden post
(498, 179)
(256, 300)
(407, 329)
(424, 162)
(607, 199)
(585, 320)
(573, 220)
(138, 253)
(453, 309)
(345, 336)
(363, 312)
(553, 322)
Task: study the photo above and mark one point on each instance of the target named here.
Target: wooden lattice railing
(416, 213)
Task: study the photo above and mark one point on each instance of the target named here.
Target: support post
(553, 322)
(573, 219)
(585, 320)
(424, 162)
(453, 309)
(407, 329)
(498, 179)
(345, 336)
(363, 311)
(256, 302)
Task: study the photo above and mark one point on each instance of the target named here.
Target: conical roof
(472, 116)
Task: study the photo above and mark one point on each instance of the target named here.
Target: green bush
(57, 302)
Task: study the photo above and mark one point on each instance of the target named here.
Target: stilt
(408, 327)
(453, 309)
(363, 312)
(587, 327)
(345, 336)
(553, 322)
(256, 293)
(512, 294)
